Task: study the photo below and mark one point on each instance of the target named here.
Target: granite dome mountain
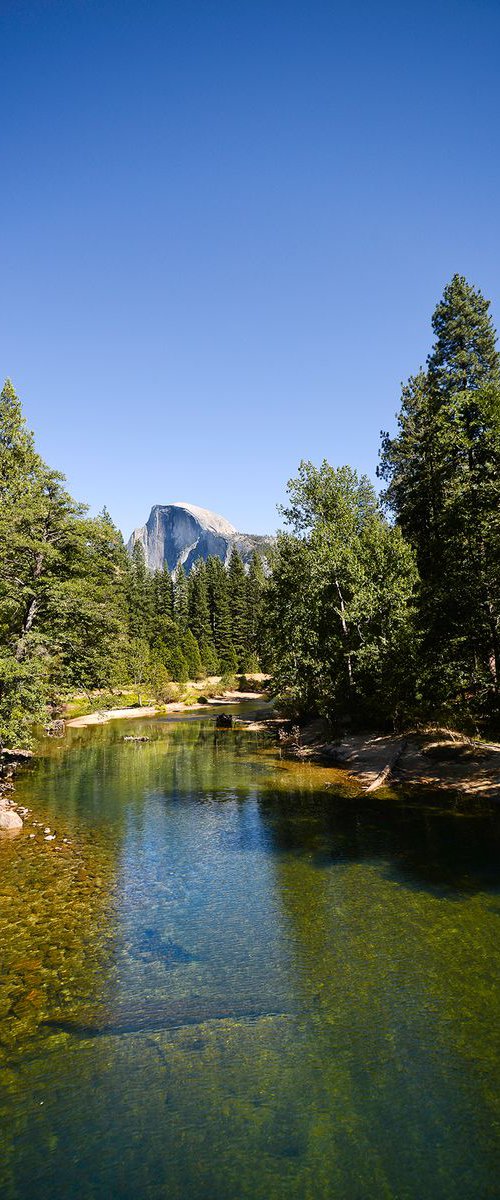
(181, 533)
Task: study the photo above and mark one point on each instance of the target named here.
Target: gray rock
(10, 819)
(16, 755)
(178, 534)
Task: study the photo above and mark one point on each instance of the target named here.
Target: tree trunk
(343, 625)
(495, 648)
(30, 614)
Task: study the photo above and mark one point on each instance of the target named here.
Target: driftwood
(386, 771)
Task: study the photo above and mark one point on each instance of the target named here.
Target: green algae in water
(233, 983)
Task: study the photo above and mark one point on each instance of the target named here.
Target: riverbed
(223, 979)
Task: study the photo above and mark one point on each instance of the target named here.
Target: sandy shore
(176, 706)
(110, 714)
(438, 760)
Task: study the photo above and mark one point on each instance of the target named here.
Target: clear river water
(232, 981)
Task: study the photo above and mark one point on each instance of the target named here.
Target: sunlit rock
(178, 534)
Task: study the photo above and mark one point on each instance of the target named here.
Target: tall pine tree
(238, 608)
(442, 472)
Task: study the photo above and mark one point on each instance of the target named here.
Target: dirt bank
(435, 759)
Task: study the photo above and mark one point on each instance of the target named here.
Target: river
(230, 982)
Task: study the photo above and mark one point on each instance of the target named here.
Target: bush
(228, 682)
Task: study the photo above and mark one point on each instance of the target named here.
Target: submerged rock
(152, 946)
(224, 721)
(9, 819)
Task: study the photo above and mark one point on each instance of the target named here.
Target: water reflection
(247, 986)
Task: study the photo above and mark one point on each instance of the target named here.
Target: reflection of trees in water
(419, 846)
(388, 972)
(394, 985)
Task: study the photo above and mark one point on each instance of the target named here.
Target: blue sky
(225, 225)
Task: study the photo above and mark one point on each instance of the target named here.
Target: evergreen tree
(163, 593)
(220, 616)
(191, 652)
(238, 608)
(339, 600)
(255, 583)
(162, 617)
(140, 595)
(181, 599)
(176, 663)
(62, 582)
(198, 610)
(442, 472)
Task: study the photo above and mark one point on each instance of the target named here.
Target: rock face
(182, 533)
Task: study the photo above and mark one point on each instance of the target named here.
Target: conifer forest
(379, 604)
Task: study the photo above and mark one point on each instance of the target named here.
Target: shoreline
(101, 717)
(13, 815)
(438, 760)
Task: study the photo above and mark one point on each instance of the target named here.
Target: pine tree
(220, 616)
(198, 610)
(464, 357)
(339, 600)
(181, 599)
(238, 608)
(176, 664)
(162, 605)
(62, 582)
(191, 652)
(255, 583)
(140, 595)
(443, 483)
(163, 592)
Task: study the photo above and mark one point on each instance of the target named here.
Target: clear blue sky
(225, 225)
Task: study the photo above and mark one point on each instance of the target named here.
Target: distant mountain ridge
(181, 533)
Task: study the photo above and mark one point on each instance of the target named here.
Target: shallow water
(234, 983)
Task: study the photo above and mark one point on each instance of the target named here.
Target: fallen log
(383, 775)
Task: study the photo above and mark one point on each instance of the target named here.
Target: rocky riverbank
(11, 814)
(436, 758)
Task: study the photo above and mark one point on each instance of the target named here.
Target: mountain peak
(207, 519)
(180, 533)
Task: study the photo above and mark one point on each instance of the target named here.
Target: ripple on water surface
(233, 983)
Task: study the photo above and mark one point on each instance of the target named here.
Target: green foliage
(140, 601)
(442, 474)
(177, 665)
(191, 652)
(181, 599)
(62, 581)
(219, 612)
(339, 600)
(237, 586)
(255, 587)
(356, 617)
(22, 698)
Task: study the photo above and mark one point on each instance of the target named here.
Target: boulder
(224, 721)
(10, 819)
(17, 756)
